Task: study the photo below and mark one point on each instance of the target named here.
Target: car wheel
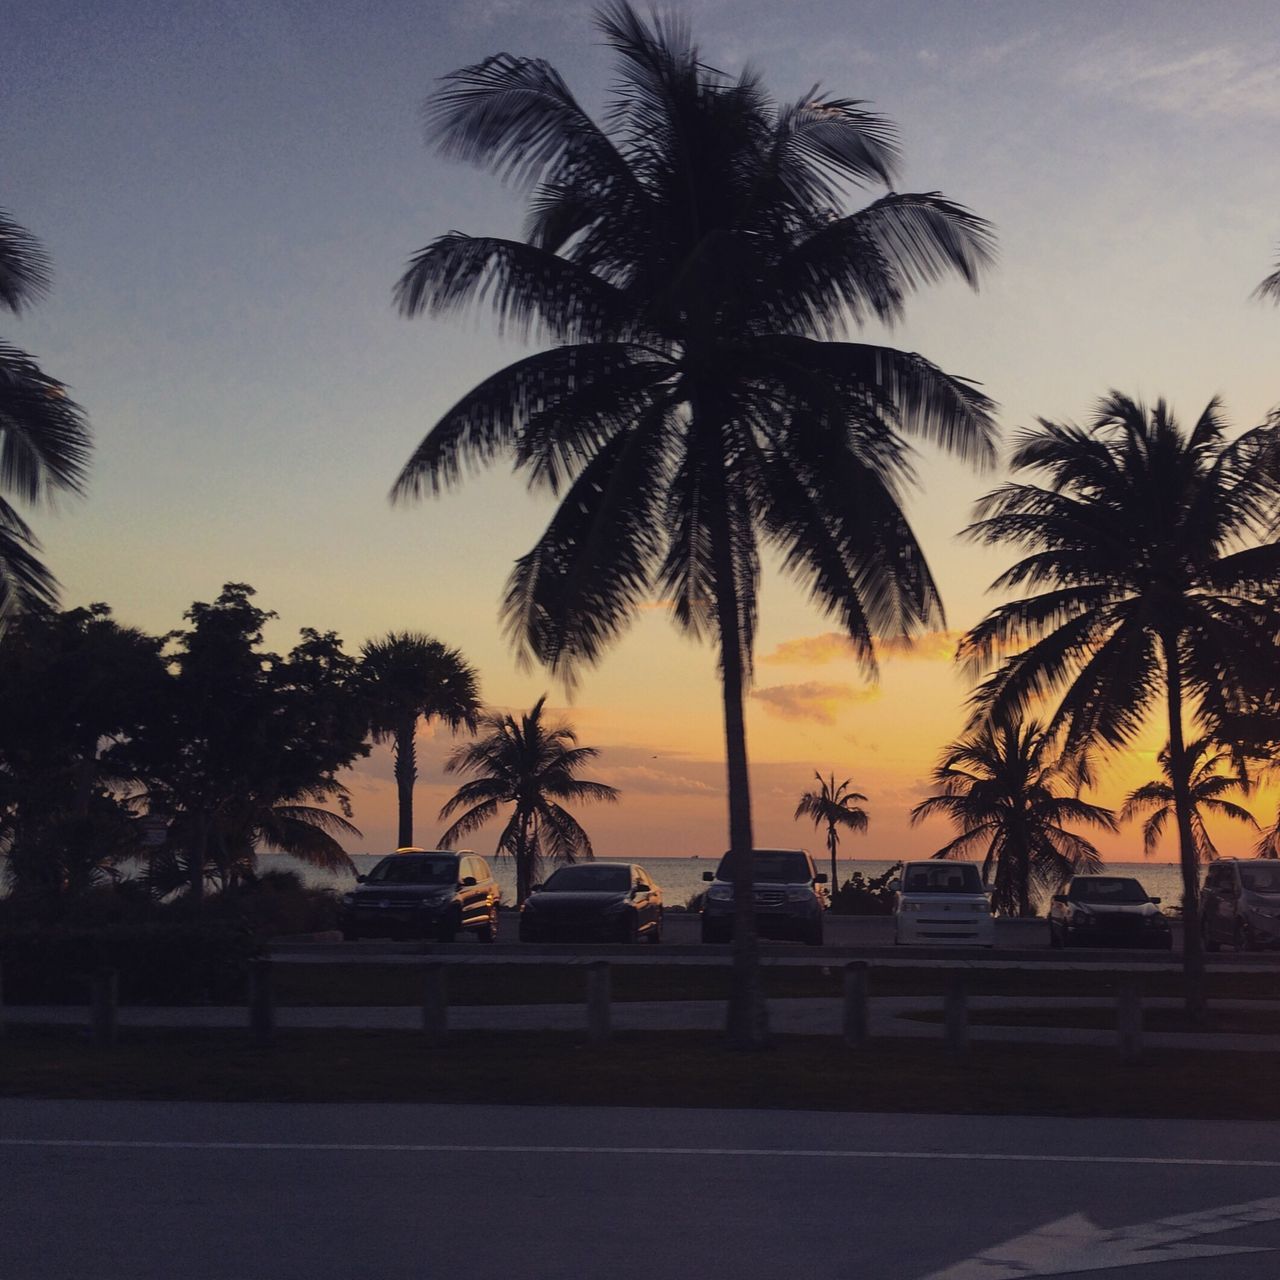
(1055, 939)
(655, 934)
(1242, 939)
(447, 929)
(631, 928)
(1210, 943)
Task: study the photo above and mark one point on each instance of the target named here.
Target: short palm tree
(693, 264)
(531, 765)
(1207, 785)
(836, 806)
(407, 677)
(1009, 795)
(44, 437)
(1151, 580)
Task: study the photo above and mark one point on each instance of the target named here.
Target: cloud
(642, 779)
(1222, 80)
(810, 700)
(833, 646)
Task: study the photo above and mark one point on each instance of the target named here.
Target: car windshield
(588, 879)
(942, 879)
(1261, 879)
(777, 866)
(410, 868)
(1107, 889)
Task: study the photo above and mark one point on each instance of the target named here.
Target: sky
(230, 188)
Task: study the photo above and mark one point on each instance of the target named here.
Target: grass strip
(688, 1069)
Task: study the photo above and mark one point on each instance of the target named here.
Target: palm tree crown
(1207, 787)
(407, 677)
(836, 805)
(44, 437)
(692, 263)
(1149, 573)
(1009, 795)
(531, 765)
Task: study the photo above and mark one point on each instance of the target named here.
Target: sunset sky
(229, 189)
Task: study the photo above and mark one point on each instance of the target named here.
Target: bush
(859, 896)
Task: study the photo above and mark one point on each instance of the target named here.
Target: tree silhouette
(531, 765)
(1148, 581)
(1009, 795)
(409, 676)
(44, 436)
(1205, 787)
(694, 266)
(835, 805)
(1270, 287)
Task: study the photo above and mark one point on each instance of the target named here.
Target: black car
(1107, 911)
(790, 895)
(593, 901)
(424, 893)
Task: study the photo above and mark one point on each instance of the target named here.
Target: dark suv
(790, 895)
(1240, 904)
(424, 893)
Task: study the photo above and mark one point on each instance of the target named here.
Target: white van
(942, 903)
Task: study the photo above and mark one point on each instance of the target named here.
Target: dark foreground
(153, 1191)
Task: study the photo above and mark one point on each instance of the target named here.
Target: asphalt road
(122, 1191)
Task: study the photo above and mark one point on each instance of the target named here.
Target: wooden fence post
(104, 1006)
(435, 1003)
(855, 1003)
(262, 1005)
(1129, 1017)
(598, 997)
(956, 1015)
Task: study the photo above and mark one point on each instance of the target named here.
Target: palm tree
(409, 676)
(44, 437)
(836, 806)
(1206, 787)
(1270, 287)
(1149, 580)
(1009, 794)
(693, 265)
(530, 765)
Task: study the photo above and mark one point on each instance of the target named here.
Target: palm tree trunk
(1192, 944)
(406, 775)
(197, 851)
(833, 844)
(524, 871)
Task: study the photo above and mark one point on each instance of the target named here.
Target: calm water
(680, 878)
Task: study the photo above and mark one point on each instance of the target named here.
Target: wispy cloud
(833, 646)
(1221, 80)
(642, 779)
(811, 700)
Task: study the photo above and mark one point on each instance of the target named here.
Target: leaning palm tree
(1206, 787)
(1151, 581)
(836, 805)
(407, 677)
(1009, 794)
(532, 766)
(693, 264)
(44, 437)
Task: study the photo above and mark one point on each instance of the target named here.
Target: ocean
(680, 878)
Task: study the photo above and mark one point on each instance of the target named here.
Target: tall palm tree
(532, 766)
(1008, 793)
(1149, 579)
(1206, 786)
(409, 676)
(693, 264)
(44, 436)
(836, 805)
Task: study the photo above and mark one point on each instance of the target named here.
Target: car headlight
(721, 892)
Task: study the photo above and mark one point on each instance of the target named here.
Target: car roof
(436, 853)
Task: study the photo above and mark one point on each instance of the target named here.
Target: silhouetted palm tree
(1148, 580)
(1206, 787)
(835, 805)
(1270, 287)
(409, 676)
(44, 437)
(530, 765)
(693, 265)
(1009, 794)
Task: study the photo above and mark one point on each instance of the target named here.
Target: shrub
(859, 896)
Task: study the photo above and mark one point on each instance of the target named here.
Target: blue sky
(230, 188)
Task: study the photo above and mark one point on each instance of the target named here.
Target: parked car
(424, 893)
(594, 901)
(942, 902)
(790, 895)
(1107, 911)
(1240, 904)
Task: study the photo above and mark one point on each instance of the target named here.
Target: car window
(1260, 877)
(777, 866)
(963, 878)
(1105, 889)
(412, 868)
(589, 879)
(1216, 878)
